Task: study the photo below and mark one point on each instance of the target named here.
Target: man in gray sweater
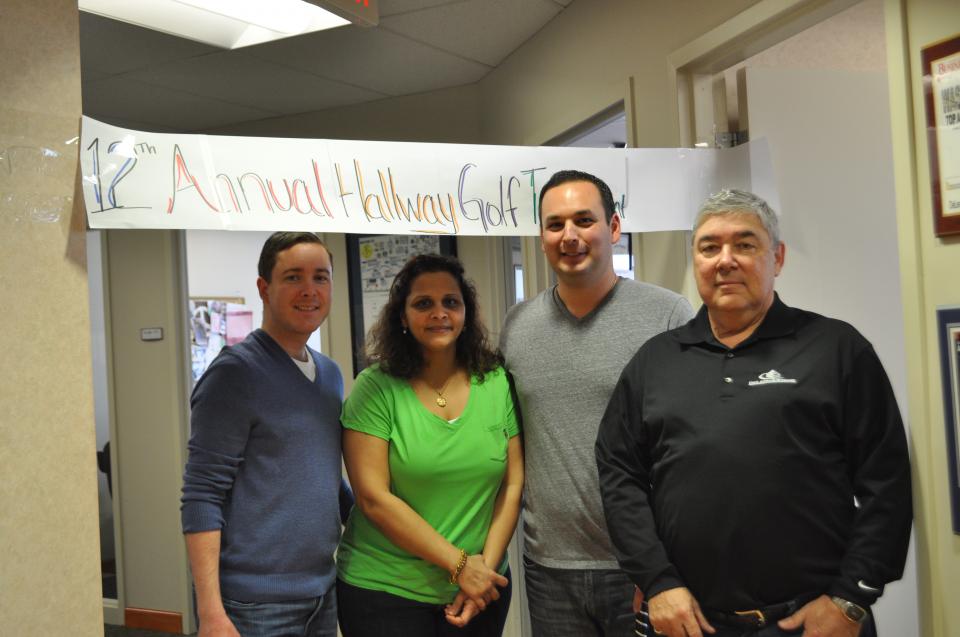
(566, 349)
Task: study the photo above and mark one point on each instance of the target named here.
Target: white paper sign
(134, 179)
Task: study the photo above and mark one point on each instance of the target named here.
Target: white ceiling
(147, 80)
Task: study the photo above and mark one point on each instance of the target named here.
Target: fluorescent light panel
(229, 24)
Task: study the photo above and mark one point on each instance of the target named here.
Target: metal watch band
(853, 612)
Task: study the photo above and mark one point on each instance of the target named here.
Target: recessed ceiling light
(225, 23)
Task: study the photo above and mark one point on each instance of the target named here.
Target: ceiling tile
(238, 78)
(133, 74)
(373, 58)
(136, 125)
(483, 30)
(393, 7)
(92, 75)
(129, 99)
(109, 47)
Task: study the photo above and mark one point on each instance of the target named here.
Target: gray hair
(732, 201)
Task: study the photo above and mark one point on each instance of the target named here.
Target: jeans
(578, 603)
(368, 613)
(313, 617)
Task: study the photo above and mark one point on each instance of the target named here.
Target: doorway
(819, 96)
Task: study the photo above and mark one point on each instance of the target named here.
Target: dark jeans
(578, 603)
(314, 617)
(368, 613)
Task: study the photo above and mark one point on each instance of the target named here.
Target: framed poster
(948, 328)
(941, 88)
(214, 323)
(373, 260)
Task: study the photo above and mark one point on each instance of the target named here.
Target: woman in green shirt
(432, 449)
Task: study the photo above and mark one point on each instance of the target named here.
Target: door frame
(758, 28)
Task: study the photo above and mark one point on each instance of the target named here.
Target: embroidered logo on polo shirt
(772, 377)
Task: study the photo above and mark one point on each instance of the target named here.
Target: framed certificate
(941, 87)
(948, 328)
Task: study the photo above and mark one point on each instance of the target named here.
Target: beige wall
(929, 268)
(580, 64)
(149, 416)
(49, 570)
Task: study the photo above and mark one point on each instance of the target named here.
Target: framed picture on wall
(372, 263)
(941, 87)
(214, 323)
(948, 327)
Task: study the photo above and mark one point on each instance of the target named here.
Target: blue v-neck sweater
(264, 469)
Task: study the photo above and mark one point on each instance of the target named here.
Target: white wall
(833, 160)
(223, 263)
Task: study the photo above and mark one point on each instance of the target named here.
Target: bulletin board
(372, 263)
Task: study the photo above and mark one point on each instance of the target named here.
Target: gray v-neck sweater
(565, 369)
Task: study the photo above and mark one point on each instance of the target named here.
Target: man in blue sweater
(260, 507)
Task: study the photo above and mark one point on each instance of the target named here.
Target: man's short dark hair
(565, 176)
(280, 241)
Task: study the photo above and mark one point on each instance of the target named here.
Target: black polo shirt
(733, 471)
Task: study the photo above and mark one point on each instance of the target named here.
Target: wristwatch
(853, 612)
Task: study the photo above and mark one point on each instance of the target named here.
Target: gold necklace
(440, 400)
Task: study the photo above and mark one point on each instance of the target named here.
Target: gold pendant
(441, 401)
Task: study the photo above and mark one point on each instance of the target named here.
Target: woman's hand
(461, 610)
(479, 582)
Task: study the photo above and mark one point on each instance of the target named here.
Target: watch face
(852, 612)
(855, 613)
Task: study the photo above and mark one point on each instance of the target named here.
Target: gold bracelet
(461, 562)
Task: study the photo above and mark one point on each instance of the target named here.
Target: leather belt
(757, 617)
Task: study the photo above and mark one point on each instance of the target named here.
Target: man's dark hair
(399, 354)
(280, 241)
(566, 176)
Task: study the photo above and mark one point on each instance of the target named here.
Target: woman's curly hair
(399, 354)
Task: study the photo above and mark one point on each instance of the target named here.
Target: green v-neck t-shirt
(449, 473)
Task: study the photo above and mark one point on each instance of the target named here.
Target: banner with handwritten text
(135, 179)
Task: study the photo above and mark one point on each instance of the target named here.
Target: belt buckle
(755, 614)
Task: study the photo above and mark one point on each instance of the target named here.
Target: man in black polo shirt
(753, 463)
